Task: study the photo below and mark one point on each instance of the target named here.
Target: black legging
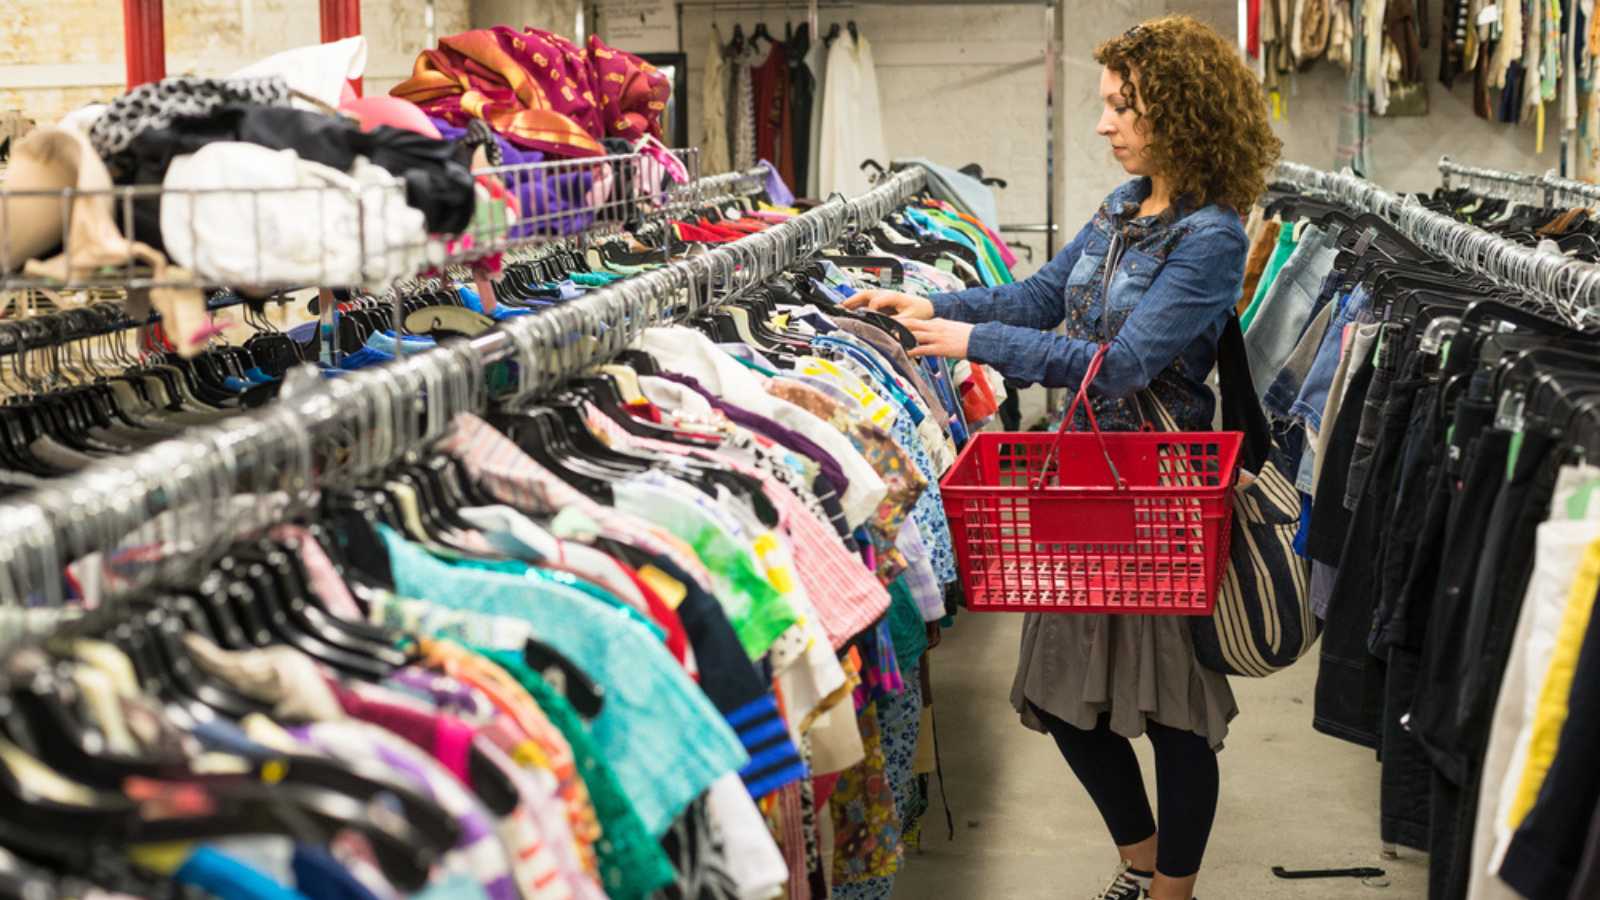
(1186, 787)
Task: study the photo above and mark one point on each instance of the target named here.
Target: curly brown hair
(1206, 114)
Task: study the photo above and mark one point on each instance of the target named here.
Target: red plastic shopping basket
(1092, 522)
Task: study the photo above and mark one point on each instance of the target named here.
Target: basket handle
(1082, 397)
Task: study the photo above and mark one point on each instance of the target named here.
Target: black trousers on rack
(1406, 805)
(1350, 679)
(1469, 521)
(1404, 813)
(1503, 568)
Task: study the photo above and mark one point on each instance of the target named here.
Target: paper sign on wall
(639, 26)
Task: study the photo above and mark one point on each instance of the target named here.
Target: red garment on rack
(774, 129)
(744, 226)
(699, 235)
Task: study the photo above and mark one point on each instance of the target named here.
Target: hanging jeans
(1504, 564)
(1330, 521)
(1350, 680)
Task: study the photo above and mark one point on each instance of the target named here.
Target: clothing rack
(1501, 184)
(97, 319)
(1568, 288)
(1497, 183)
(185, 498)
(678, 199)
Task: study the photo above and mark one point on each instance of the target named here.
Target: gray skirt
(1136, 668)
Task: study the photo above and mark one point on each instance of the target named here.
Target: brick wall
(60, 54)
(958, 84)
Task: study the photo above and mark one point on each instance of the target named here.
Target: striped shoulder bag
(1262, 621)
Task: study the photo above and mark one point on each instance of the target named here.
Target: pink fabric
(452, 746)
(325, 581)
(824, 785)
(392, 111)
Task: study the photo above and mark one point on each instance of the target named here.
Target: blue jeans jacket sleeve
(1187, 300)
(1034, 302)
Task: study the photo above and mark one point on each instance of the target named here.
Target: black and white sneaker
(1127, 884)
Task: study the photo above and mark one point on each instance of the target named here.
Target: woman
(1186, 117)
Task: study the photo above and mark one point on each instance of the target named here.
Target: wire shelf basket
(288, 228)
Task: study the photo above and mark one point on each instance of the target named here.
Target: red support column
(144, 41)
(340, 19)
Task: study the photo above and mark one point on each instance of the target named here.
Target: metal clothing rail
(1555, 190)
(1569, 288)
(1497, 183)
(91, 320)
(164, 507)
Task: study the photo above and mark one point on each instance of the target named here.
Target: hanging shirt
(479, 853)
(852, 121)
(774, 125)
(658, 731)
(518, 480)
(688, 351)
(714, 109)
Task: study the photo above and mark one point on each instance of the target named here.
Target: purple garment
(477, 831)
(777, 191)
(445, 694)
(794, 440)
(552, 202)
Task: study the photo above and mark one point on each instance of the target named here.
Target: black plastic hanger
(587, 697)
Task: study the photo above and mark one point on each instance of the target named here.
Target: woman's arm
(1033, 302)
(1188, 298)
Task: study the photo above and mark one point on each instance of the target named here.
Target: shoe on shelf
(1127, 884)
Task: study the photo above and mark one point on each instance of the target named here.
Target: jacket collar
(1122, 206)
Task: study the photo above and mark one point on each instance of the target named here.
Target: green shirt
(632, 864)
(1287, 240)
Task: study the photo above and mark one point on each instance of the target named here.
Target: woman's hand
(892, 303)
(940, 337)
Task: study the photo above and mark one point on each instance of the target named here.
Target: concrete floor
(1025, 829)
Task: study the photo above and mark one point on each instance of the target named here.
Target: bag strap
(1241, 409)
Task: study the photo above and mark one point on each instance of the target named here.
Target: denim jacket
(1177, 278)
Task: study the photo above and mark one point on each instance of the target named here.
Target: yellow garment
(1551, 712)
(163, 858)
(877, 409)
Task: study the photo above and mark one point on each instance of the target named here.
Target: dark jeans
(1408, 624)
(1433, 712)
(1419, 460)
(1350, 680)
(1404, 798)
(1504, 567)
(1186, 787)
